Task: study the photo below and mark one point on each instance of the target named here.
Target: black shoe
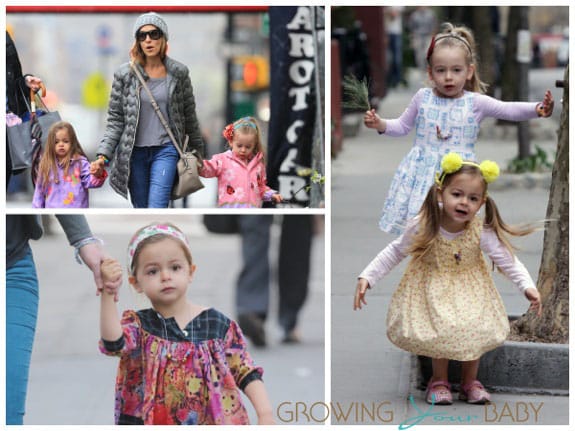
(253, 327)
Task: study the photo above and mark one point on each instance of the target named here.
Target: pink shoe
(474, 393)
(439, 392)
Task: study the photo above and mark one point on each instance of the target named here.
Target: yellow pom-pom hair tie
(452, 162)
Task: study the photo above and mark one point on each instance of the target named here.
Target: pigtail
(475, 84)
(494, 221)
(428, 226)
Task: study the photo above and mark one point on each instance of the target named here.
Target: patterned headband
(245, 121)
(452, 162)
(152, 230)
(435, 39)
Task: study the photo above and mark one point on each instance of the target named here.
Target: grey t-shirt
(150, 131)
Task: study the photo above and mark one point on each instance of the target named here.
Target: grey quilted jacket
(123, 115)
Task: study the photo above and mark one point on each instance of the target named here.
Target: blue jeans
(152, 174)
(21, 316)
(396, 60)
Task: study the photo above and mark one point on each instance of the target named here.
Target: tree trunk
(486, 51)
(553, 283)
(509, 87)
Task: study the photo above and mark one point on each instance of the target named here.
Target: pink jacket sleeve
(212, 167)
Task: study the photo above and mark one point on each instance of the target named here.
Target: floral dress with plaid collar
(170, 376)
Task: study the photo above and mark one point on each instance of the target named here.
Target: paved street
(368, 373)
(72, 383)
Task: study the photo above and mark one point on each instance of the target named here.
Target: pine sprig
(355, 94)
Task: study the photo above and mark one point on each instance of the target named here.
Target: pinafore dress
(458, 130)
(447, 305)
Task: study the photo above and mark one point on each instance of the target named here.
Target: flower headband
(152, 230)
(242, 122)
(452, 162)
(435, 39)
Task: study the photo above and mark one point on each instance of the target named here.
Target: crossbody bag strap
(158, 111)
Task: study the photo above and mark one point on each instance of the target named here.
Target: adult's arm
(115, 122)
(87, 246)
(191, 118)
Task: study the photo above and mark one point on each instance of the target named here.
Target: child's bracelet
(105, 159)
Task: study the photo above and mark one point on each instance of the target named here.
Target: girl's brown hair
(430, 216)
(459, 37)
(48, 166)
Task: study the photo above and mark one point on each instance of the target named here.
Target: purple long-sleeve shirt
(69, 191)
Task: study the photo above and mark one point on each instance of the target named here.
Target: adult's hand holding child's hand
(97, 168)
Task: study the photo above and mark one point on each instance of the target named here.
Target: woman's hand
(33, 82)
(92, 255)
(97, 167)
(545, 108)
(277, 198)
(533, 296)
(360, 290)
(373, 121)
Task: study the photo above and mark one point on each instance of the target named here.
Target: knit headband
(228, 132)
(149, 231)
(245, 121)
(452, 162)
(435, 39)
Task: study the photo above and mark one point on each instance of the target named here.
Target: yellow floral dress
(170, 376)
(447, 305)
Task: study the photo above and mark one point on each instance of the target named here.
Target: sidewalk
(71, 383)
(372, 379)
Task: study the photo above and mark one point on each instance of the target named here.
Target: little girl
(180, 362)
(241, 171)
(446, 118)
(64, 171)
(447, 306)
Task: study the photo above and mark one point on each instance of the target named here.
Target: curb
(516, 367)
